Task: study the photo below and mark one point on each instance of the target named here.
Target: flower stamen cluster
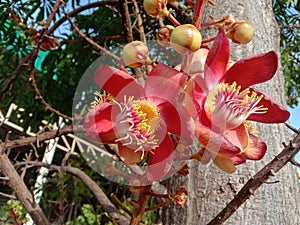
(136, 124)
(229, 103)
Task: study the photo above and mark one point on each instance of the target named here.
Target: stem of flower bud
(198, 12)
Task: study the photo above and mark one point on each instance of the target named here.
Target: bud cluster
(239, 31)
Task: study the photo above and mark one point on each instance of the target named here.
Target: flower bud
(163, 35)
(135, 54)
(185, 38)
(156, 8)
(241, 32)
(181, 196)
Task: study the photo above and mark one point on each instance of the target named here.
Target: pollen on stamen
(101, 97)
(133, 124)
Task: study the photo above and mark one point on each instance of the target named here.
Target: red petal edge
(161, 160)
(117, 83)
(253, 70)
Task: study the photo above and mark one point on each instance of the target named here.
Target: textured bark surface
(211, 189)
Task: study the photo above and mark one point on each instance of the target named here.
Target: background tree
(210, 189)
(44, 85)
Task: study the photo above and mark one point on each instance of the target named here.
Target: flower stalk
(198, 12)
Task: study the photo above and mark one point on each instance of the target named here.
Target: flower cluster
(208, 98)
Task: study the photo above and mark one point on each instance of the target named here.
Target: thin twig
(120, 204)
(81, 9)
(15, 75)
(41, 99)
(140, 26)
(8, 196)
(9, 144)
(292, 128)
(260, 178)
(90, 40)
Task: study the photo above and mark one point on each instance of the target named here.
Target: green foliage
(12, 207)
(287, 15)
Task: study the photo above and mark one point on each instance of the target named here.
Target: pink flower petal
(238, 136)
(161, 160)
(171, 117)
(216, 143)
(274, 114)
(98, 124)
(118, 83)
(129, 156)
(225, 164)
(164, 71)
(237, 160)
(217, 59)
(255, 150)
(163, 88)
(253, 70)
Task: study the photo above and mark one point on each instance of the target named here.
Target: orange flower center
(228, 107)
(136, 124)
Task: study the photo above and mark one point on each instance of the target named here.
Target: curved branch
(81, 9)
(15, 75)
(90, 40)
(107, 205)
(260, 178)
(39, 137)
(41, 99)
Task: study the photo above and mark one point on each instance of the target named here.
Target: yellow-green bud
(241, 32)
(186, 38)
(156, 8)
(163, 35)
(135, 54)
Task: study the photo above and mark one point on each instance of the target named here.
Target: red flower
(226, 102)
(138, 119)
(181, 196)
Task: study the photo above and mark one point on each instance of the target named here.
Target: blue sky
(295, 122)
(295, 117)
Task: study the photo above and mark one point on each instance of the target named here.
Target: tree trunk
(209, 188)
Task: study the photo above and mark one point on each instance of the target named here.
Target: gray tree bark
(209, 188)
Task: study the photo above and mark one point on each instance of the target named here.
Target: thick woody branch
(23, 194)
(260, 178)
(95, 189)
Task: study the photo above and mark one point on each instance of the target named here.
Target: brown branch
(34, 57)
(8, 196)
(140, 205)
(15, 75)
(39, 137)
(120, 204)
(81, 9)
(297, 26)
(18, 186)
(78, 40)
(41, 99)
(24, 63)
(260, 178)
(126, 20)
(90, 40)
(92, 185)
(140, 26)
